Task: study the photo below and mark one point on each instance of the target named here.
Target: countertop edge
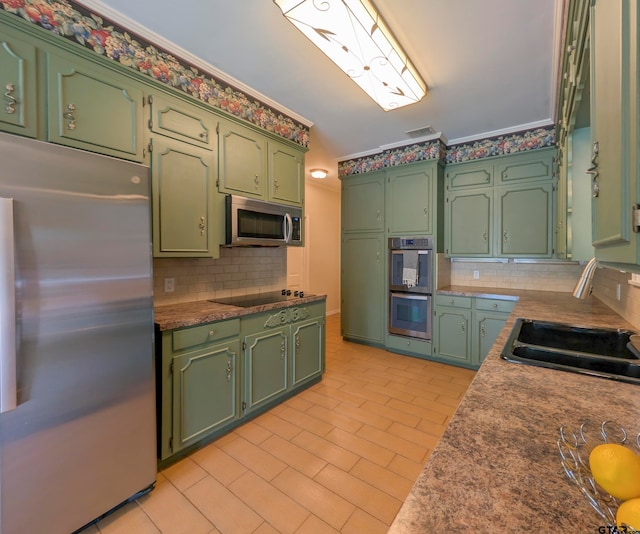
(187, 314)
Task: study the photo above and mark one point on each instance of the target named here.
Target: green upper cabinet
(615, 120)
(468, 223)
(472, 174)
(185, 122)
(18, 86)
(525, 216)
(242, 160)
(183, 200)
(252, 165)
(501, 207)
(93, 108)
(409, 198)
(286, 174)
(363, 200)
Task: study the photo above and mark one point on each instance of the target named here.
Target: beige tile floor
(340, 456)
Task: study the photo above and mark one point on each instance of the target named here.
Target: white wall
(322, 212)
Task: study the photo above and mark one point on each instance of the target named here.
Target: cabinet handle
(505, 237)
(377, 256)
(275, 185)
(463, 327)
(203, 135)
(426, 212)
(212, 333)
(297, 342)
(70, 117)
(8, 94)
(483, 330)
(378, 215)
(495, 305)
(484, 235)
(229, 370)
(256, 181)
(453, 302)
(282, 350)
(202, 225)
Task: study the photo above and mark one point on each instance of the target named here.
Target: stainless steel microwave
(256, 222)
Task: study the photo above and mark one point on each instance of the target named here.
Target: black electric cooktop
(246, 301)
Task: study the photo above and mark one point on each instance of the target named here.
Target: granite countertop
(497, 467)
(170, 316)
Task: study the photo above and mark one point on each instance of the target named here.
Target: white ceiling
(489, 65)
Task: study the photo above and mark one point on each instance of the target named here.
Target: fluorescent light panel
(354, 36)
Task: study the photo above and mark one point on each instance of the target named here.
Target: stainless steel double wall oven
(411, 286)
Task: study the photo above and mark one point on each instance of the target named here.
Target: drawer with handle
(454, 300)
(198, 335)
(498, 305)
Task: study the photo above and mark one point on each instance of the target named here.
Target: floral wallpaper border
(494, 146)
(78, 24)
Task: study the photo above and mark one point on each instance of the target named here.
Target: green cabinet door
(452, 335)
(615, 120)
(363, 203)
(286, 174)
(266, 354)
(242, 160)
(205, 392)
(469, 222)
(364, 300)
(177, 119)
(409, 198)
(18, 113)
(487, 327)
(183, 196)
(525, 216)
(469, 174)
(94, 109)
(307, 350)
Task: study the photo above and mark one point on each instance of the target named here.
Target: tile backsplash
(605, 284)
(541, 276)
(238, 271)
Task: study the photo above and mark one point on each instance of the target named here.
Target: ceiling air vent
(420, 132)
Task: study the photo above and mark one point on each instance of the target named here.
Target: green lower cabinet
(487, 326)
(205, 387)
(465, 328)
(286, 352)
(266, 355)
(212, 377)
(308, 351)
(452, 335)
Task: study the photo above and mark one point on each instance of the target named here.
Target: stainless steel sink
(599, 352)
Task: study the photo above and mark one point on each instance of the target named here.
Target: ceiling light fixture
(354, 36)
(318, 173)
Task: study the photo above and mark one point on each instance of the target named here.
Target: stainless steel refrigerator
(77, 400)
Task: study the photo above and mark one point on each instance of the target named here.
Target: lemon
(617, 469)
(629, 514)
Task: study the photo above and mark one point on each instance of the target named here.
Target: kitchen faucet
(585, 283)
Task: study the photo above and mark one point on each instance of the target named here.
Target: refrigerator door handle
(8, 384)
